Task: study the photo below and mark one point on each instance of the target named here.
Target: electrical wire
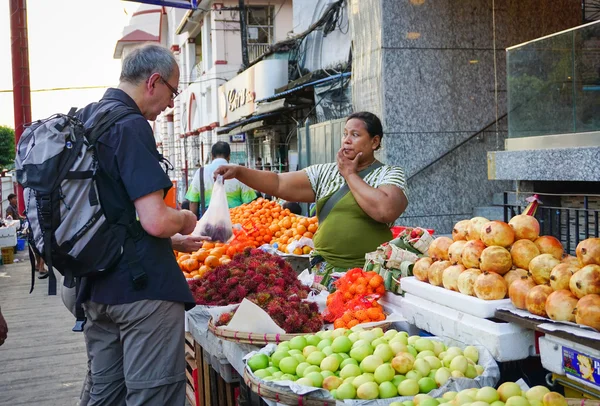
(59, 89)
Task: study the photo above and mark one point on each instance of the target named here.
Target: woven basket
(260, 338)
(283, 395)
(250, 338)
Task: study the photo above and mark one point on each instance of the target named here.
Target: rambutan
(225, 318)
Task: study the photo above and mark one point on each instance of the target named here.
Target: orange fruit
(208, 245)
(300, 229)
(361, 281)
(352, 289)
(224, 260)
(298, 251)
(373, 313)
(361, 290)
(306, 249)
(187, 275)
(202, 270)
(308, 234)
(312, 228)
(183, 258)
(339, 323)
(218, 252)
(381, 317)
(380, 290)
(361, 315)
(348, 316)
(211, 261)
(375, 281)
(348, 296)
(351, 323)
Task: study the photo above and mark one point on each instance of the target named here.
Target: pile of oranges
(266, 222)
(355, 300)
(210, 256)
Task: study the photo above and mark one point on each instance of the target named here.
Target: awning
(303, 86)
(189, 4)
(239, 123)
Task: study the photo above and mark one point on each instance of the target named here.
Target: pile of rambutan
(268, 281)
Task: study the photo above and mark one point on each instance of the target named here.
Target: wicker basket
(283, 395)
(259, 338)
(249, 338)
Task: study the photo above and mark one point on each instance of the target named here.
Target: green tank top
(348, 233)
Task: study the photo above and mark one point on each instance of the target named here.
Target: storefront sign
(237, 137)
(581, 366)
(237, 97)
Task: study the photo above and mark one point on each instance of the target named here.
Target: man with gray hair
(135, 312)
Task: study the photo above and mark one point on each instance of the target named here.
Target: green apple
(398, 347)
(424, 344)
(487, 394)
(316, 378)
(330, 363)
(324, 343)
(315, 358)
(426, 353)
(345, 391)
(391, 333)
(262, 373)
(448, 396)
(272, 370)
(416, 375)
(341, 344)
(332, 382)
(370, 363)
(403, 362)
(258, 361)
(327, 351)
(301, 368)
(305, 382)
(422, 366)
(459, 363)
(472, 353)
(278, 356)
(283, 346)
(420, 398)
(412, 351)
(426, 385)
(288, 365)
(308, 350)
(312, 340)
(378, 341)
(350, 370)
(327, 374)
(387, 390)
(413, 339)
(348, 361)
(508, 390)
(442, 375)
(312, 368)
(536, 393)
(298, 343)
(517, 401)
(299, 357)
(368, 390)
(361, 352)
(359, 380)
(397, 379)
(384, 373)
(408, 387)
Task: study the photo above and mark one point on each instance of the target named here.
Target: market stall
(263, 325)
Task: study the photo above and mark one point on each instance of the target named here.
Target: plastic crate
(8, 255)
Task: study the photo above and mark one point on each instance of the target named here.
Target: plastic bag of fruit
(216, 222)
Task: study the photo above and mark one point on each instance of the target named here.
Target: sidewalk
(42, 361)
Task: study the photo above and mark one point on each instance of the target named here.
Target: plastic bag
(216, 222)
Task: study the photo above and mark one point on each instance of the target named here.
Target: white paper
(250, 318)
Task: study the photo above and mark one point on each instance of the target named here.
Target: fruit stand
(487, 294)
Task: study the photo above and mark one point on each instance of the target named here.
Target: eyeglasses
(171, 88)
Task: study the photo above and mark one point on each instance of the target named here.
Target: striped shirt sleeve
(392, 175)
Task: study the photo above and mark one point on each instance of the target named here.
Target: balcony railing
(553, 84)
(256, 50)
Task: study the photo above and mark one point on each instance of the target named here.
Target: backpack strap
(79, 313)
(106, 120)
(135, 232)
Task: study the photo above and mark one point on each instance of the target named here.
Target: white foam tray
(506, 341)
(455, 300)
(551, 355)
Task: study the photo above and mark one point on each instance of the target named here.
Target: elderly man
(135, 329)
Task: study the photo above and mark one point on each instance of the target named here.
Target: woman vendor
(357, 198)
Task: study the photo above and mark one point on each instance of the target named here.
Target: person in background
(13, 211)
(293, 207)
(3, 329)
(267, 167)
(237, 193)
(369, 196)
(258, 164)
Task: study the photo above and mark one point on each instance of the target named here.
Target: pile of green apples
(508, 394)
(366, 364)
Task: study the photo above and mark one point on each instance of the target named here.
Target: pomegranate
(560, 305)
(588, 311)
(490, 286)
(459, 232)
(526, 227)
(570, 259)
(495, 259)
(436, 271)
(497, 233)
(466, 281)
(561, 275)
(450, 277)
(471, 253)
(420, 268)
(522, 252)
(518, 290)
(541, 266)
(550, 245)
(438, 250)
(536, 300)
(514, 275)
(588, 251)
(586, 281)
(474, 229)
(455, 252)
